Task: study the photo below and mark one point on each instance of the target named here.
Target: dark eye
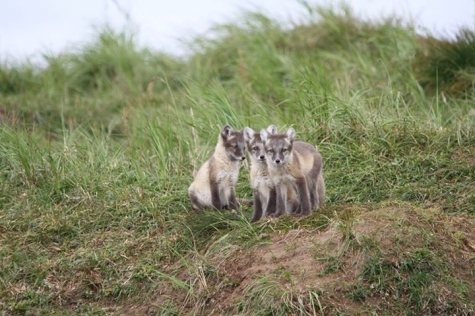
(271, 150)
(255, 148)
(284, 150)
(235, 146)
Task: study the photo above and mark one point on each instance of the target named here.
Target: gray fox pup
(214, 183)
(264, 194)
(294, 165)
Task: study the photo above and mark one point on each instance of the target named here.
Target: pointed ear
(290, 134)
(272, 129)
(264, 135)
(248, 133)
(226, 131)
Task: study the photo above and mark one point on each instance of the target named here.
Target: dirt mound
(365, 259)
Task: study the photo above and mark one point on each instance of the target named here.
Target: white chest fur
(227, 181)
(227, 177)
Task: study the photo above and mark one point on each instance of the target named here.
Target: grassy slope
(98, 148)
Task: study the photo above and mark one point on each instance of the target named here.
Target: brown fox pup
(264, 194)
(294, 164)
(215, 182)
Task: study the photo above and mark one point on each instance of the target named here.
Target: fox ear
(264, 135)
(290, 134)
(272, 129)
(226, 131)
(248, 133)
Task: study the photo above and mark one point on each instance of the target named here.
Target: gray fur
(294, 164)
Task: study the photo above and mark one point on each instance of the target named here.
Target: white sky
(31, 27)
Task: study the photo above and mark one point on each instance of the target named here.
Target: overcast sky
(31, 27)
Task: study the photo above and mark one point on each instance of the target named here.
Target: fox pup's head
(234, 143)
(255, 145)
(278, 147)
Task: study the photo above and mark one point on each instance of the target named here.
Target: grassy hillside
(98, 147)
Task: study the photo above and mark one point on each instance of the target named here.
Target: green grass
(98, 147)
(447, 65)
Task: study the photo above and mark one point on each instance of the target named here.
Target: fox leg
(305, 205)
(257, 214)
(233, 204)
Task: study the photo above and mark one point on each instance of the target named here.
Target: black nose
(262, 157)
(277, 161)
(243, 157)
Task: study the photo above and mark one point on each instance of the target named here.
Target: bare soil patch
(301, 260)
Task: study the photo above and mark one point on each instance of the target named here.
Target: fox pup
(315, 180)
(294, 165)
(264, 194)
(214, 183)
